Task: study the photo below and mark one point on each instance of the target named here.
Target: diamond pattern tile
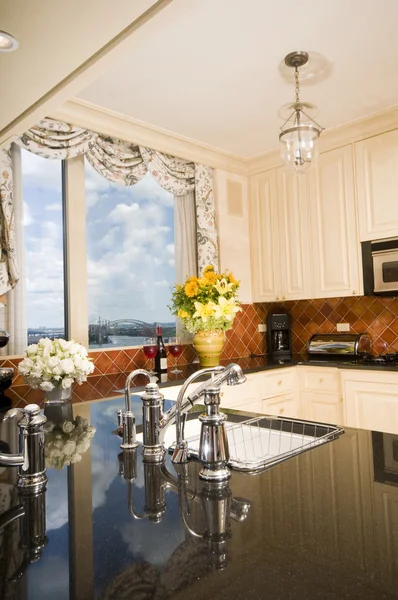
(376, 316)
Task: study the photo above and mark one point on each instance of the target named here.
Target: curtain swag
(117, 160)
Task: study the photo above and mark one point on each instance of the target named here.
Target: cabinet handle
(354, 292)
(283, 297)
(280, 382)
(281, 410)
(341, 400)
(321, 380)
(277, 298)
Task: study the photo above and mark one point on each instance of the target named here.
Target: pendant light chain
(296, 79)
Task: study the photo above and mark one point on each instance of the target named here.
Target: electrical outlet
(261, 328)
(343, 327)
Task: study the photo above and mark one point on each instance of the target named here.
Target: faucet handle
(30, 414)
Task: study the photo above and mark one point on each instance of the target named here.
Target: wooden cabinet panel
(377, 185)
(336, 260)
(278, 381)
(322, 408)
(294, 236)
(264, 238)
(369, 405)
(236, 396)
(386, 531)
(286, 405)
(319, 379)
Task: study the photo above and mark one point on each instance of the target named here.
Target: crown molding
(90, 116)
(348, 133)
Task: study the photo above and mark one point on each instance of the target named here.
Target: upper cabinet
(280, 240)
(336, 260)
(264, 238)
(304, 232)
(377, 186)
(294, 236)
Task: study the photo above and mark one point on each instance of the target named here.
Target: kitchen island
(321, 525)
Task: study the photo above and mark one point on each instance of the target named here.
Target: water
(119, 341)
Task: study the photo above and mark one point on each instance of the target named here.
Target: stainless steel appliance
(347, 345)
(279, 336)
(380, 267)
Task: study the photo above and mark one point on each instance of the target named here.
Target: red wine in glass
(150, 349)
(175, 349)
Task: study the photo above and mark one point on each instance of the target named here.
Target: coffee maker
(279, 336)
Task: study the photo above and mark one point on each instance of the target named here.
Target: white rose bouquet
(55, 364)
(65, 444)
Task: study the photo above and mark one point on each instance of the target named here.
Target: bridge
(100, 332)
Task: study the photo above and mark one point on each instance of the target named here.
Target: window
(43, 233)
(35, 307)
(130, 260)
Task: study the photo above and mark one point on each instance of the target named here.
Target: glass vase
(58, 396)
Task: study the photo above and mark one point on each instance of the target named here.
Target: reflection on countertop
(321, 525)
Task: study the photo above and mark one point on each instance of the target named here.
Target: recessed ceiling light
(8, 42)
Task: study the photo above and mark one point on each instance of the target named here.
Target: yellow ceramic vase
(208, 346)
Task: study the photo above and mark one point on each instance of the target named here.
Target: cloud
(27, 215)
(54, 207)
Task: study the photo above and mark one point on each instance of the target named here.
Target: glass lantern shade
(299, 147)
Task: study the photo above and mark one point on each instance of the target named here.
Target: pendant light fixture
(299, 132)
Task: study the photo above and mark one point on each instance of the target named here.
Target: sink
(259, 443)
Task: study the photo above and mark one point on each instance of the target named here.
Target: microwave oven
(380, 267)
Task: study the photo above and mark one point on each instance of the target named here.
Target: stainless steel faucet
(213, 448)
(31, 460)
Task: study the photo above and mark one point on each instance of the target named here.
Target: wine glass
(150, 349)
(175, 349)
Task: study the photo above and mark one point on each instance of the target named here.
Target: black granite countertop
(322, 525)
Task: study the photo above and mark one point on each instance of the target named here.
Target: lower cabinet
(371, 400)
(285, 405)
(323, 408)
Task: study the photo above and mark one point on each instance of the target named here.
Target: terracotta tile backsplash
(376, 316)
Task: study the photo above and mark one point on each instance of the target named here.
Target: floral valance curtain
(119, 161)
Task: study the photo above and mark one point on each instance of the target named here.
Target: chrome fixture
(213, 448)
(8, 43)
(31, 460)
(299, 132)
(218, 508)
(218, 505)
(32, 514)
(126, 418)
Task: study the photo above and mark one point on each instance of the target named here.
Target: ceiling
(208, 69)
(55, 38)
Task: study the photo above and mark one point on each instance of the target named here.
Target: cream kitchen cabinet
(376, 161)
(304, 232)
(320, 394)
(264, 238)
(335, 246)
(280, 237)
(370, 400)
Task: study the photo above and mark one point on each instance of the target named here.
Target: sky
(130, 246)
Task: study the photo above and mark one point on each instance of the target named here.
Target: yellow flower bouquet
(207, 303)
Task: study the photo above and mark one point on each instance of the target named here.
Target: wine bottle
(161, 357)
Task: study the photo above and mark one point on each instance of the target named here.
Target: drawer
(282, 406)
(234, 396)
(277, 382)
(318, 379)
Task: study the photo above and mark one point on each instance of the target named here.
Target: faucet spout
(232, 375)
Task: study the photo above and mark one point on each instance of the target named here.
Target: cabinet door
(336, 259)
(322, 408)
(377, 185)
(237, 396)
(294, 236)
(264, 238)
(282, 406)
(371, 406)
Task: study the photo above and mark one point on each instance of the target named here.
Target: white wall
(232, 211)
